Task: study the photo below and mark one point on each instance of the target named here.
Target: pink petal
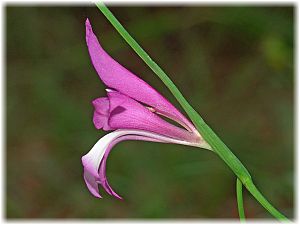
(126, 113)
(100, 121)
(102, 169)
(93, 175)
(91, 183)
(94, 162)
(119, 78)
(101, 105)
(101, 113)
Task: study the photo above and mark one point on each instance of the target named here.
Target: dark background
(235, 65)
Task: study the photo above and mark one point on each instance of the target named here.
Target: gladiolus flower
(132, 110)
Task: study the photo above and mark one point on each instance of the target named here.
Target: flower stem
(239, 197)
(211, 138)
(264, 202)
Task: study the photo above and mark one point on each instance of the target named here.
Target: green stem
(264, 202)
(239, 197)
(209, 136)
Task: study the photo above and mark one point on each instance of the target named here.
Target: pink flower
(133, 110)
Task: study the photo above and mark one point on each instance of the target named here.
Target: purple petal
(101, 113)
(126, 113)
(100, 121)
(101, 105)
(119, 78)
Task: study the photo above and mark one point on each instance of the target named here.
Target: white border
(135, 2)
(153, 2)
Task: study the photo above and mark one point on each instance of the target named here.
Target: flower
(133, 110)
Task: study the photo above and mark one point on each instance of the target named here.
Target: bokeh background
(234, 64)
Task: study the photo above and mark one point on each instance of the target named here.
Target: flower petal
(91, 183)
(126, 113)
(101, 113)
(94, 162)
(119, 78)
(102, 168)
(91, 162)
(101, 105)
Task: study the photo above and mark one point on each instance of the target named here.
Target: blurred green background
(234, 64)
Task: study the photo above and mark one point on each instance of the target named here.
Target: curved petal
(126, 113)
(119, 78)
(94, 162)
(101, 113)
(101, 105)
(102, 167)
(91, 183)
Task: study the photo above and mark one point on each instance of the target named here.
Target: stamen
(109, 90)
(151, 109)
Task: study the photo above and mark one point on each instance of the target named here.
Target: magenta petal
(100, 121)
(119, 78)
(126, 113)
(101, 113)
(101, 105)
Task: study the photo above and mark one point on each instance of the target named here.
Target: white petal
(91, 161)
(94, 156)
